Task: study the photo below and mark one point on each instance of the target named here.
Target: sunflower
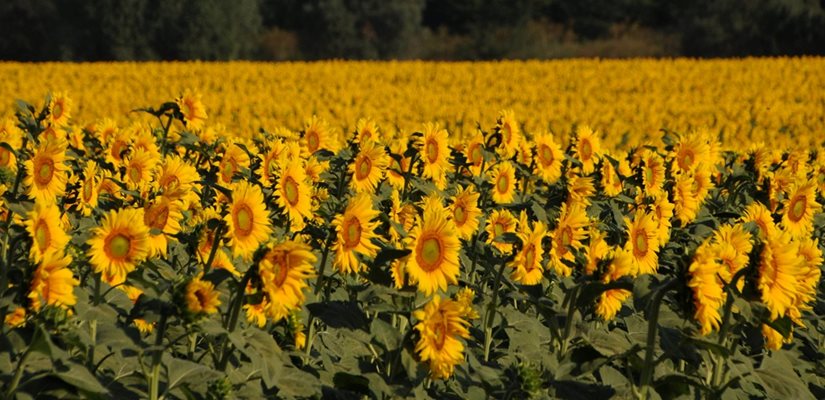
(355, 230)
(317, 136)
(366, 130)
(441, 328)
(527, 268)
(201, 296)
(270, 162)
(368, 167)
(133, 294)
(104, 130)
(580, 189)
(162, 217)
(610, 301)
(707, 279)
(757, 213)
(146, 141)
(686, 204)
(570, 231)
(653, 173)
(87, 192)
(16, 318)
(503, 179)
(139, 168)
(611, 182)
(119, 244)
(800, 208)
(781, 268)
(194, 113)
(474, 153)
(292, 194)
(117, 148)
(435, 154)
(465, 297)
(434, 243)
(402, 217)
(510, 132)
(498, 223)
(773, 339)
(465, 212)
(809, 278)
(549, 157)
(248, 220)
(690, 152)
(256, 313)
(47, 174)
(662, 210)
(176, 180)
(205, 243)
(234, 160)
(587, 148)
(398, 165)
(734, 245)
(11, 135)
(60, 109)
(44, 227)
(596, 250)
(53, 282)
(284, 271)
(643, 242)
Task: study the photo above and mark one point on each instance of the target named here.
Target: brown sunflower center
(641, 245)
(291, 190)
(797, 207)
(44, 171)
(352, 233)
(649, 175)
(156, 217)
(507, 132)
(280, 268)
(566, 239)
(135, 172)
(228, 169)
(459, 215)
(203, 298)
(42, 235)
(432, 151)
(545, 155)
(430, 253)
(498, 228)
(687, 159)
(475, 154)
(587, 150)
(88, 190)
(57, 110)
(119, 246)
(363, 168)
(530, 256)
(440, 330)
(117, 149)
(313, 141)
(243, 219)
(5, 157)
(170, 182)
(503, 183)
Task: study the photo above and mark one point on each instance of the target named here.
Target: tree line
(92, 30)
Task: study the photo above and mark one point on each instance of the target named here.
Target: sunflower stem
(6, 263)
(214, 250)
(163, 148)
(652, 327)
(234, 312)
(491, 313)
(568, 323)
(21, 366)
(154, 380)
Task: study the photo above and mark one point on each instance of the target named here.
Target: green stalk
(652, 326)
(21, 366)
(154, 381)
(491, 313)
(568, 323)
(214, 251)
(234, 312)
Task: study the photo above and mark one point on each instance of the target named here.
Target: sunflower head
(248, 220)
(47, 173)
(433, 263)
(587, 148)
(441, 328)
(503, 179)
(119, 244)
(355, 230)
(201, 297)
(369, 167)
(284, 271)
(60, 109)
(293, 194)
(192, 109)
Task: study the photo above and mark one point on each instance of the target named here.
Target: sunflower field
(573, 229)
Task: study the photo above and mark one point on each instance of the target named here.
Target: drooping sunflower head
(441, 328)
(355, 230)
(47, 173)
(800, 208)
(369, 167)
(284, 271)
(643, 241)
(781, 273)
(119, 244)
(53, 282)
(549, 157)
(201, 296)
(317, 136)
(43, 224)
(293, 195)
(587, 148)
(465, 212)
(248, 220)
(435, 154)
(60, 109)
(503, 179)
(691, 151)
(193, 110)
(508, 127)
(366, 130)
(433, 263)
